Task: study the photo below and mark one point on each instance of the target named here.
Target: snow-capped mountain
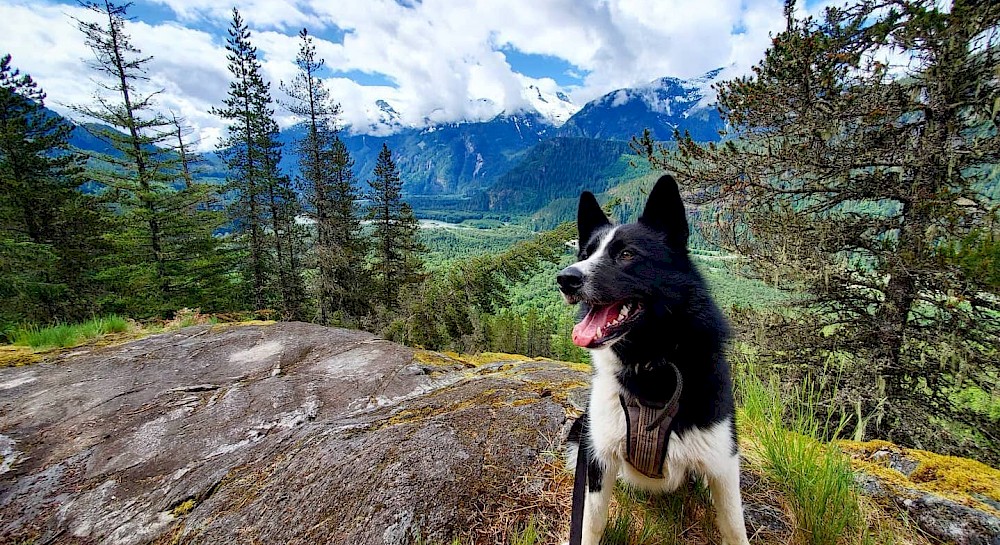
(557, 108)
(661, 105)
(465, 160)
(386, 119)
(540, 108)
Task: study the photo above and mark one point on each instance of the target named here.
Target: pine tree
(199, 264)
(396, 262)
(287, 237)
(244, 153)
(48, 229)
(328, 185)
(861, 187)
(264, 197)
(160, 236)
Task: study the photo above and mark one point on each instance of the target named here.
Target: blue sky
(434, 61)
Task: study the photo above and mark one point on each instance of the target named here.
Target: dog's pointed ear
(589, 217)
(664, 212)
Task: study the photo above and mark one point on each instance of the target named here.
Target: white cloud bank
(442, 56)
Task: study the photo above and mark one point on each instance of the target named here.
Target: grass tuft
(816, 477)
(675, 518)
(529, 535)
(66, 335)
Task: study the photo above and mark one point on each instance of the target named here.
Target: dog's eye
(626, 255)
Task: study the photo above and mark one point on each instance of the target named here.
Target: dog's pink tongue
(585, 332)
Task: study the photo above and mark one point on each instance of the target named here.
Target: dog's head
(628, 276)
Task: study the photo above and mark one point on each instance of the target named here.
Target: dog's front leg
(601, 478)
(724, 483)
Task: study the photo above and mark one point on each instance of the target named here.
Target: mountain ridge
(482, 163)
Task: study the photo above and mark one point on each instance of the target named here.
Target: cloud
(187, 73)
(443, 57)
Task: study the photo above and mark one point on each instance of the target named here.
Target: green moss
(16, 356)
(958, 479)
(183, 507)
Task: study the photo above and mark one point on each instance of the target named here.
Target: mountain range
(516, 162)
(512, 162)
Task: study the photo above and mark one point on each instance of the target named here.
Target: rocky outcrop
(287, 433)
(953, 500)
(298, 434)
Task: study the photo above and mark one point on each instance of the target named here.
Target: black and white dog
(651, 325)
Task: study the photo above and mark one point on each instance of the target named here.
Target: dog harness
(648, 433)
(648, 429)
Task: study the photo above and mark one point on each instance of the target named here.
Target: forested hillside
(559, 169)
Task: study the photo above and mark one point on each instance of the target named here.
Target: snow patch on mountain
(556, 107)
(385, 120)
(669, 96)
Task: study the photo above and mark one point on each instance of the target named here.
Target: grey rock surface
(286, 433)
(952, 522)
(943, 519)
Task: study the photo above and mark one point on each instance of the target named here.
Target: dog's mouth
(605, 323)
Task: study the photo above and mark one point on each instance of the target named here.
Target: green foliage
(327, 182)
(862, 190)
(264, 205)
(977, 255)
(396, 263)
(48, 230)
(163, 250)
(643, 518)
(529, 535)
(816, 477)
(458, 305)
(66, 335)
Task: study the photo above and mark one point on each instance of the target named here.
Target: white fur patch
(588, 264)
(699, 450)
(707, 452)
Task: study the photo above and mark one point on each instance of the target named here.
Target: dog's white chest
(694, 451)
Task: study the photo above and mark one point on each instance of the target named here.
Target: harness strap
(579, 489)
(649, 430)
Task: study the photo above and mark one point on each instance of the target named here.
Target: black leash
(579, 489)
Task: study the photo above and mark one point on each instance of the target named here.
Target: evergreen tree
(288, 238)
(200, 265)
(328, 185)
(396, 262)
(48, 230)
(244, 153)
(263, 197)
(862, 187)
(161, 239)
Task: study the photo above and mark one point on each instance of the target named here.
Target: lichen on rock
(191, 436)
(952, 499)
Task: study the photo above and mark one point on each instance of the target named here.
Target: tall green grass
(815, 477)
(66, 335)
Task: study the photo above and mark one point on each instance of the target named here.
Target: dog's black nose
(570, 280)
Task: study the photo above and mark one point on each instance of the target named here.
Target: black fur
(680, 323)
